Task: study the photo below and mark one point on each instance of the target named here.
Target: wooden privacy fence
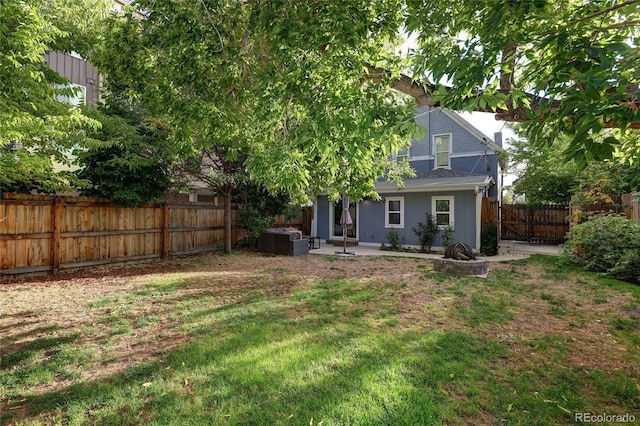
(489, 212)
(627, 205)
(47, 233)
(547, 223)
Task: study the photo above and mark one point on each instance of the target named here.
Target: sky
(487, 124)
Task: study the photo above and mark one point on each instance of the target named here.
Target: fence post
(58, 211)
(531, 229)
(165, 230)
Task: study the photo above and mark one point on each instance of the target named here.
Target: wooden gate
(546, 223)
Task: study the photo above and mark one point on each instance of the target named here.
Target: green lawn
(251, 339)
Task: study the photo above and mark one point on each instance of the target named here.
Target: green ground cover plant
(256, 339)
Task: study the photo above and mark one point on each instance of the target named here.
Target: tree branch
(507, 79)
(421, 92)
(593, 15)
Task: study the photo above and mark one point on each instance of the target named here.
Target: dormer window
(442, 150)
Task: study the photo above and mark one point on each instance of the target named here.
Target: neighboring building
(456, 166)
(82, 75)
(84, 78)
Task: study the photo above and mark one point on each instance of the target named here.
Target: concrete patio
(508, 250)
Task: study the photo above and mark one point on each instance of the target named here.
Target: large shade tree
(565, 67)
(268, 91)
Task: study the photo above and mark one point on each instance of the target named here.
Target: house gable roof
(438, 180)
(472, 129)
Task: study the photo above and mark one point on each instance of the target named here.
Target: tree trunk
(227, 217)
(507, 78)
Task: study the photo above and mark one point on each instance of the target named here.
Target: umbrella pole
(345, 220)
(344, 244)
(344, 239)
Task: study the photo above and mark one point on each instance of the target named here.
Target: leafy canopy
(570, 67)
(132, 161)
(276, 86)
(29, 113)
(30, 117)
(544, 177)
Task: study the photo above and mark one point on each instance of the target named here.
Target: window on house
(402, 155)
(442, 150)
(442, 210)
(74, 94)
(394, 212)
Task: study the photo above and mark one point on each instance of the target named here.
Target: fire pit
(459, 259)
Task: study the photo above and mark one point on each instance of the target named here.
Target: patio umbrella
(345, 220)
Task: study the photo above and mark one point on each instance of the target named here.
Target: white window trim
(435, 152)
(449, 198)
(386, 212)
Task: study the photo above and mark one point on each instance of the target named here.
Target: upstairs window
(442, 144)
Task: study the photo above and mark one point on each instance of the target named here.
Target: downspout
(314, 223)
(478, 216)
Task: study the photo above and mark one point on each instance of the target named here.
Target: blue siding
(371, 217)
(422, 147)
(436, 123)
(473, 165)
(465, 218)
(464, 143)
(371, 221)
(467, 149)
(323, 217)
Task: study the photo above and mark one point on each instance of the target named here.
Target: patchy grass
(252, 339)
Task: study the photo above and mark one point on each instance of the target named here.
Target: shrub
(628, 267)
(447, 236)
(254, 222)
(607, 244)
(426, 232)
(395, 240)
(489, 239)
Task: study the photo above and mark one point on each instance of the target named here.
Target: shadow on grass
(257, 365)
(12, 355)
(302, 359)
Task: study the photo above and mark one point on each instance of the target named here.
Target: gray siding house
(456, 166)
